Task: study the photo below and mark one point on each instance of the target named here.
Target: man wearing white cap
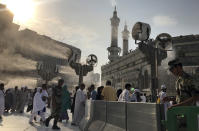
(163, 96)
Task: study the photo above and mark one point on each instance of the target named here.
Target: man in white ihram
(38, 106)
(125, 95)
(79, 105)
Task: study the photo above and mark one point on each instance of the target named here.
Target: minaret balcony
(114, 50)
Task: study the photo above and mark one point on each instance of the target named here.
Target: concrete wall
(86, 121)
(99, 116)
(116, 116)
(122, 116)
(142, 116)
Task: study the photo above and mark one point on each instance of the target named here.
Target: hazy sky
(86, 23)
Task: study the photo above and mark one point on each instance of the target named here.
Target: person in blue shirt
(93, 92)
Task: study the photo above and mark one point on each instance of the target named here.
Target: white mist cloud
(69, 32)
(161, 20)
(113, 3)
(59, 30)
(38, 2)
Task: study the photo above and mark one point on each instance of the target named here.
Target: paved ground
(19, 122)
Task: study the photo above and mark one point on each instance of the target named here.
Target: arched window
(146, 79)
(141, 81)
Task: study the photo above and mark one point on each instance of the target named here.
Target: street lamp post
(154, 93)
(154, 50)
(161, 42)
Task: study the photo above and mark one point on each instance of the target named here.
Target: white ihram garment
(79, 106)
(143, 98)
(124, 96)
(38, 105)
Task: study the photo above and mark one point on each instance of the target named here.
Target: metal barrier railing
(124, 116)
(185, 116)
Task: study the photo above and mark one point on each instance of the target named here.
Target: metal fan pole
(82, 70)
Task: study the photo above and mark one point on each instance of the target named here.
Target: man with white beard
(79, 105)
(2, 100)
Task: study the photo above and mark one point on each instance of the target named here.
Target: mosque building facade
(137, 66)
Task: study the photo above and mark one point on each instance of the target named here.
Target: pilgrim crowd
(60, 101)
(58, 98)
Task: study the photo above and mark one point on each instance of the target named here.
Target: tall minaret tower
(125, 36)
(114, 50)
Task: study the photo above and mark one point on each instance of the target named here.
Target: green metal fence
(183, 118)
